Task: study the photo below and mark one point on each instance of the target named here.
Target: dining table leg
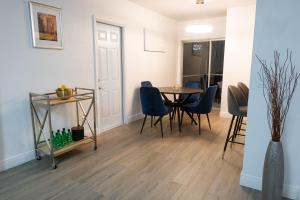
(170, 118)
(177, 102)
(173, 114)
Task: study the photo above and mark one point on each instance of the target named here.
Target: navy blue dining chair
(146, 84)
(203, 106)
(153, 105)
(186, 98)
(193, 97)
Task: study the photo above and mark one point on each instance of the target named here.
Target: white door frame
(122, 32)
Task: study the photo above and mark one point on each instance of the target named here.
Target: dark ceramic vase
(273, 175)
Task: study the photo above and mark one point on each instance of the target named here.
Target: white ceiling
(188, 9)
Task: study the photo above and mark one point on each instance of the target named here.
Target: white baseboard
(225, 114)
(250, 181)
(254, 182)
(16, 160)
(132, 118)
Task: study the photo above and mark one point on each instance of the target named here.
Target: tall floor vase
(273, 175)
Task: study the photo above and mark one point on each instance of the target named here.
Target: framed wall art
(154, 41)
(46, 26)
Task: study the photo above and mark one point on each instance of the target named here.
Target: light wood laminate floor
(128, 165)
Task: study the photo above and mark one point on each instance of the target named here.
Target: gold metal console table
(46, 102)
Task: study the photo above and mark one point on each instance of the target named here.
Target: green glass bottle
(64, 136)
(59, 139)
(70, 140)
(54, 144)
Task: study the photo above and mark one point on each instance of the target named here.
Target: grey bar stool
(237, 107)
(245, 90)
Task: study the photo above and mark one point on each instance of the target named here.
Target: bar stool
(238, 109)
(244, 88)
(245, 91)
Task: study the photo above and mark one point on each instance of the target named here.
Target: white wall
(277, 27)
(238, 49)
(25, 69)
(219, 29)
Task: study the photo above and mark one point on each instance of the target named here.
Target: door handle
(99, 88)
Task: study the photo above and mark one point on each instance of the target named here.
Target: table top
(179, 90)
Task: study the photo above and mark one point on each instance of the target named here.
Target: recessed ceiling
(188, 9)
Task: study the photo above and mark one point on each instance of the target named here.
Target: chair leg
(143, 124)
(156, 122)
(192, 120)
(239, 126)
(161, 127)
(151, 121)
(238, 129)
(228, 136)
(170, 118)
(181, 120)
(241, 122)
(199, 119)
(235, 129)
(208, 121)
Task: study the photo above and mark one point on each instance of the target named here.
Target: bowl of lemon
(63, 92)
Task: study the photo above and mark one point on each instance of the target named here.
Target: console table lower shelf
(69, 147)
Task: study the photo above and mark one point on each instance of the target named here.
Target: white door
(109, 76)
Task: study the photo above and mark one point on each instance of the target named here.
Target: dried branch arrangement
(279, 81)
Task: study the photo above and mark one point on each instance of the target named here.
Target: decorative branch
(279, 82)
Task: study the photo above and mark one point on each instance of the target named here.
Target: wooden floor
(128, 165)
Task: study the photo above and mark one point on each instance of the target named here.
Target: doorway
(108, 53)
(203, 61)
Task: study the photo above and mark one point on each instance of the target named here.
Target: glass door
(196, 62)
(216, 67)
(203, 61)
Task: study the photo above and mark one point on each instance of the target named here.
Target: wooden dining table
(178, 101)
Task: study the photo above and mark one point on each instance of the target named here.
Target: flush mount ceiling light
(199, 29)
(200, 1)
